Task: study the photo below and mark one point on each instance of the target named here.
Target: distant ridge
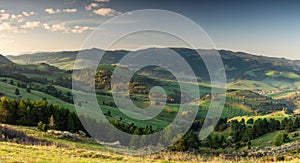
(238, 65)
(4, 60)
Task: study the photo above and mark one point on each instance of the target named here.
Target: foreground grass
(87, 150)
(11, 152)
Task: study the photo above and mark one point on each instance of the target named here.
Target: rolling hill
(4, 60)
(258, 87)
(238, 65)
(275, 79)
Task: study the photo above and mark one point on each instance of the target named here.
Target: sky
(270, 28)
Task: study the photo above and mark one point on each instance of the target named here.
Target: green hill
(238, 65)
(247, 103)
(278, 115)
(4, 60)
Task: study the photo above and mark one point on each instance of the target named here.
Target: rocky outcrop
(267, 151)
(271, 151)
(66, 135)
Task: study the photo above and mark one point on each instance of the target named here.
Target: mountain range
(241, 68)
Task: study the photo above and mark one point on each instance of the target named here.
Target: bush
(41, 126)
(9, 134)
(295, 135)
(280, 158)
(280, 138)
(17, 92)
(250, 121)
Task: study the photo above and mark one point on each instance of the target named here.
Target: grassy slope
(88, 151)
(80, 151)
(266, 140)
(279, 115)
(9, 91)
(232, 107)
(249, 85)
(62, 151)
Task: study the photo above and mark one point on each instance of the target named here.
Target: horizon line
(174, 47)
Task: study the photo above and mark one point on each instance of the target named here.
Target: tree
(51, 123)
(4, 111)
(135, 139)
(167, 136)
(209, 141)
(109, 113)
(41, 126)
(71, 122)
(237, 130)
(280, 138)
(22, 113)
(28, 90)
(289, 126)
(17, 92)
(191, 140)
(285, 138)
(250, 121)
(215, 142)
(249, 144)
(297, 123)
(247, 135)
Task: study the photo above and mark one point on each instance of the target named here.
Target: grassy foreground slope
(86, 150)
(63, 150)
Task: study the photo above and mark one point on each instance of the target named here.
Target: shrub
(41, 126)
(278, 140)
(9, 134)
(295, 135)
(280, 158)
(17, 92)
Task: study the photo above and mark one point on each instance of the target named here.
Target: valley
(261, 92)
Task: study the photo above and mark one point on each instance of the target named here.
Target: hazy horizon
(32, 53)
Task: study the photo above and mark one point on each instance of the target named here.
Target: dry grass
(86, 151)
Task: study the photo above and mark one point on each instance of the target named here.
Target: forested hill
(4, 60)
(238, 65)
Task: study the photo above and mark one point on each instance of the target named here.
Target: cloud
(91, 6)
(81, 29)
(56, 11)
(88, 8)
(8, 26)
(31, 25)
(19, 18)
(56, 27)
(52, 11)
(4, 16)
(66, 29)
(101, 0)
(94, 5)
(69, 10)
(26, 13)
(106, 12)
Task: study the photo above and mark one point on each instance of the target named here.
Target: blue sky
(269, 28)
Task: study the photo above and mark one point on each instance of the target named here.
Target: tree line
(50, 116)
